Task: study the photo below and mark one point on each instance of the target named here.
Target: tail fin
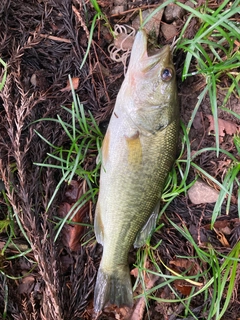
(114, 287)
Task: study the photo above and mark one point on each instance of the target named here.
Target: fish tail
(114, 287)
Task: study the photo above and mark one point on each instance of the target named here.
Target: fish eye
(167, 74)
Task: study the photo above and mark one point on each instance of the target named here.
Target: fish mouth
(160, 52)
(163, 55)
(141, 59)
(152, 62)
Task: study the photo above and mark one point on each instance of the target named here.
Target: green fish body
(138, 151)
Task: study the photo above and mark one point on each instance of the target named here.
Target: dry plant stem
(102, 77)
(80, 20)
(28, 187)
(18, 143)
(83, 25)
(53, 308)
(134, 9)
(46, 36)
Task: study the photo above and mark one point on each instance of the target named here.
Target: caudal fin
(115, 288)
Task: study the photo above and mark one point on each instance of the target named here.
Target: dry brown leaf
(218, 224)
(221, 237)
(197, 122)
(184, 287)
(75, 83)
(73, 232)
(182, 263)
(72, 192)
(139, 309)
(224, 126)
(224, 226)
(77, 230)
(180, 266)
(26, 285)
(134, 272)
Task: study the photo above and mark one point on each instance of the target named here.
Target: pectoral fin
(148, 227)
(134, 149)
(98, 225)
(105, 149)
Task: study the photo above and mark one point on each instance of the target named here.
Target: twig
(47, 36)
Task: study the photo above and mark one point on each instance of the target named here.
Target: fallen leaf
(197, 121)
(75, 83)
(139, 309)
(26, 285)
(73, 232)
(223, 226)
(184, 287)
(224, 126)
(221, 237)
(77, 230)
(134, 272)
(222, 229)
(72, 191)
(189, 268)
(218, 225)
(182, 263)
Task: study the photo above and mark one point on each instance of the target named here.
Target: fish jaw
(140, 60)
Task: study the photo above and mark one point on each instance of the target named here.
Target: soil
(43, 42)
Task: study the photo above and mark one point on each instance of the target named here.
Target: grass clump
(214, 50)
(213, 277)
(85, 140)
(99, 15)
(213, 53)
(8, 227)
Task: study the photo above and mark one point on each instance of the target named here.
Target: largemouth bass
(137, 153)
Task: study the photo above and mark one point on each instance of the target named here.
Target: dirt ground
(43, 42)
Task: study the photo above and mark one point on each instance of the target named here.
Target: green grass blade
(150, 16)
(209, 177)
(90, 39)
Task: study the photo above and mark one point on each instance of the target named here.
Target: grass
(8, 226)
(213, 281)
(99, 15)
(85, 140)
(213, 49)
(213, 53)
(4, 77)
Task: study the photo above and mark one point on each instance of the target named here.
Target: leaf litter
(57, 281)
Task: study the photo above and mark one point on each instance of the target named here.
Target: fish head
(151, 83)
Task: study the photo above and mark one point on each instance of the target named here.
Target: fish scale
(138, 152)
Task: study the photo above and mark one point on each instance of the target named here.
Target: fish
(138, 151)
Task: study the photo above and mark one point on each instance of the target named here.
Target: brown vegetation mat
(43, 42)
